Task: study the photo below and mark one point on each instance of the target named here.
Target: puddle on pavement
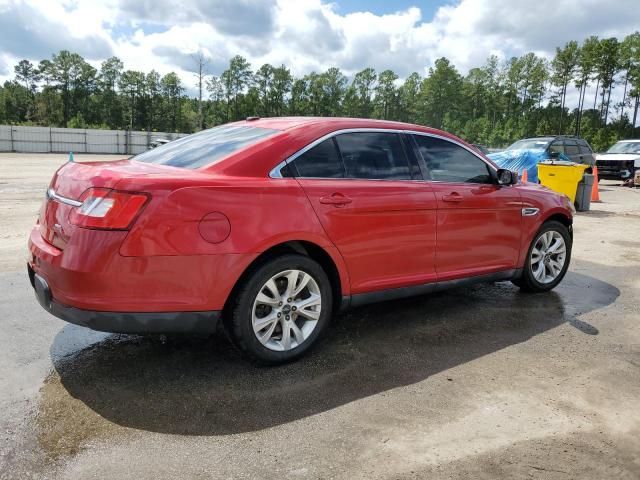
(110, 385)
(64, 423)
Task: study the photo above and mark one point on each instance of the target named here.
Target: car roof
(295, 133)
(631, 140)
(288, 123)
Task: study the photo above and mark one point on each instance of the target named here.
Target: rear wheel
(547, 259)
(281, 309)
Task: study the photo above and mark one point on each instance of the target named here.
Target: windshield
(530, 144)
(206, 147)
(625, 147)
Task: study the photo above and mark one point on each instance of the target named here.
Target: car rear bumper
(90, 283)
(124, 322)
(90, 274)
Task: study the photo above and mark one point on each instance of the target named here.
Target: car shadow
(202, 387)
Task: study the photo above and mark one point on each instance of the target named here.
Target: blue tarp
(520, 160)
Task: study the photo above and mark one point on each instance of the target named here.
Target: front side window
(206, 147)
(373, 155)
(448, 162)
(584, 149)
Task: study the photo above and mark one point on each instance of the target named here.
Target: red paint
(479, 229)
(386, 234)
(199, 230)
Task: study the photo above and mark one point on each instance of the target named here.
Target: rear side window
(571, 148)
(206, 147)
(321, 161)
(448, 162)
(557, 147)
(373, 155)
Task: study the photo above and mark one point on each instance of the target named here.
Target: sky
(305, 35)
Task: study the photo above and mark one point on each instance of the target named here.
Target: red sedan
(270, 225)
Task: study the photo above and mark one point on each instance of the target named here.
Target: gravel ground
(480, 382)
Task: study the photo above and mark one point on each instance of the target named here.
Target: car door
(374, 206)
(479, 221)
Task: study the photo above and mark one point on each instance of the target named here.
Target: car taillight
(107, 209)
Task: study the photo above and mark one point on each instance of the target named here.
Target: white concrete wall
(77, 140)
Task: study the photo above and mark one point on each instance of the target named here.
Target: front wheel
(281, 309)
(547, 259)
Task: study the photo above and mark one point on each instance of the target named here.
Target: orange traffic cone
(524, 177)
(595, 195)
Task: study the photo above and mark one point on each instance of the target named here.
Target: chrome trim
(530, 211)
(52, 195)
(275, 172)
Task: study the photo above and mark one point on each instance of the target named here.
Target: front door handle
(452, 197)
(337, 199)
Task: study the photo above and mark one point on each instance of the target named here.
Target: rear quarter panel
(262, 213)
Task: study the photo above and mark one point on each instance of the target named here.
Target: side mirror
(506, 177)
(554, 154)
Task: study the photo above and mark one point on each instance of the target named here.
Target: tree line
(494, 104)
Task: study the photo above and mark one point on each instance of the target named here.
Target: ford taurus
(268, 226)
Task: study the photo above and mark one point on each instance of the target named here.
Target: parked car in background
(271, 225)
(620, 162)
(157, 142)
(575, 149)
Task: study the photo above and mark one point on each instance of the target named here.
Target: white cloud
(305, 35)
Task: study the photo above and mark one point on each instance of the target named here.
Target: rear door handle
(452, 197)
(337, 199)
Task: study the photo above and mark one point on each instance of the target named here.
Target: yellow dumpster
(561, 176)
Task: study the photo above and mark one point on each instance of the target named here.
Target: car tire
(530, 281)
(249, 310)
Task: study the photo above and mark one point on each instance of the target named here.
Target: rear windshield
(206, 147)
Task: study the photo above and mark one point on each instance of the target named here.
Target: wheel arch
(530, 230)
(561, 218)
(329, 259)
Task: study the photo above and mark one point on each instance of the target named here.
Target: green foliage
(493, 104)
(441, 94)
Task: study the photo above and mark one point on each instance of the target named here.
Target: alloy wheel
(286, 310)
(548, 256)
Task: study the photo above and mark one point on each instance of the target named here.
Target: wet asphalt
(482, 381)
